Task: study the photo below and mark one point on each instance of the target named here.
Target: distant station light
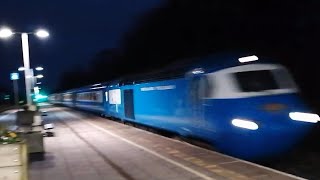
(39, 76)
(21, 69)
(248, 59)
(39, 68)
(40, 98)
(101, 87)
(6, 97)
(98, 84)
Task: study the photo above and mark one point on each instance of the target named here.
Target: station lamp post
(7, 33)
(33, 77)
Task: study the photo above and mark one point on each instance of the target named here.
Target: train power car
(245, 106)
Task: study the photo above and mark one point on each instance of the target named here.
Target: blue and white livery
(245, 106)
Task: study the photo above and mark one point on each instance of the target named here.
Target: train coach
(244, 105)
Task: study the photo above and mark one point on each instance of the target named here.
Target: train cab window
(284, 78)
(254, 81)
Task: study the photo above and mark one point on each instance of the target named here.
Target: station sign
(14, 76)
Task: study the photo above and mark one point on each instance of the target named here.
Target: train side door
(128, 104)
(197, 92)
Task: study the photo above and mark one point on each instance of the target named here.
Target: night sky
(154, 31)
(78, 30)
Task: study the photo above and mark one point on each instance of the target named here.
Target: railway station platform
(88, 147)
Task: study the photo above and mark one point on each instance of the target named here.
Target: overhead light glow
(40, 96)
(39, 68)
(21, 69)
(41, 33)
(98, 87)
(198, 71)
(245, 124)
(99, 84)
(305, 117)
(248, 59)
(39, 76)
(38, 83)
(5, 33)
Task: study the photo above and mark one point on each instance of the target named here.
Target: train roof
(179, 68)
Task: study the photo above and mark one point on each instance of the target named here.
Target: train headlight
(305, 117)
(245, 124)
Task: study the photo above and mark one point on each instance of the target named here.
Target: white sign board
(115, 96)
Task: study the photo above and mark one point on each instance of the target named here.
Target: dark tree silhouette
(285, 30)
(106, 65)
(74, 78)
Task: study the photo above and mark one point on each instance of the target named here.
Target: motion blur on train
(242, 104)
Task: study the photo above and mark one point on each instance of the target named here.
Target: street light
(21, 69)
(39, 68)
(6, 33)
(41, 33)
(39, 76)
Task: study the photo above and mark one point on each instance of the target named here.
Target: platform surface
(92, 148)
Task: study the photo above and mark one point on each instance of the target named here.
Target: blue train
(244, 105)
